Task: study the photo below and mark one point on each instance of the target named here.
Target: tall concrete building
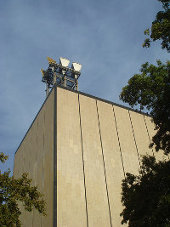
(77, 151)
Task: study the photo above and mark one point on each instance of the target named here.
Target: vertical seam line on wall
(82, 149)
(104, 165)
(55, 161)
(148, 134)
(133, 132)
(43, 159)
(121, 155)
(44, 130)
(32, 218)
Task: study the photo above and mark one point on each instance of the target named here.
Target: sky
(105, 36)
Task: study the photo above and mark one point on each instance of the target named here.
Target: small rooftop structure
(61, 74)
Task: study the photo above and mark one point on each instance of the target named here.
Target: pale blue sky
(104, 36)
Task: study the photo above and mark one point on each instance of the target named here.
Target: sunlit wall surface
(77, 151)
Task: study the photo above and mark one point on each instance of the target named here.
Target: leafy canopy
(13, 191)
(151, 90)
(160, 29)
(147, 197)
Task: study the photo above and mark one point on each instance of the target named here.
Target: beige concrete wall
(35, 156)
(112, 158)
(151, 131)
(97, 201)
(103, 126)
(140, 133)
(97, 143)
(127, 142)
(71, 204)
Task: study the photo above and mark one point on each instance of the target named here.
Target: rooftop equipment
(61, 74)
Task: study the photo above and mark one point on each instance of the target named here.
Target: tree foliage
(151, 90)
(147, 197)
(160, 29)
(3, 157)
(13, 191)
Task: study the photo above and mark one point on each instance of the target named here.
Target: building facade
(77, 151)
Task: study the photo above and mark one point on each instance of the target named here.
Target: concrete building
(77, 151)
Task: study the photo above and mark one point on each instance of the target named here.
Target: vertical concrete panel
(140, 133)
(112, 156)
(26, 217)
(47, 159)
(48, 189)
(30, 154)
(151, 130)
(18, 170)
(30, 158)
(71, 209)
(97, 203)
(36, 216)
(18, 159)
(129, 152)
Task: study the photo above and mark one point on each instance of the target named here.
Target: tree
(160, 29)
(147, 197)
(151, 90)
(13, 191)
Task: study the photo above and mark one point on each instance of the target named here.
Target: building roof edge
(103, 100)
(81, 93)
